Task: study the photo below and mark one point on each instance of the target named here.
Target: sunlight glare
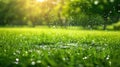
(40, 0)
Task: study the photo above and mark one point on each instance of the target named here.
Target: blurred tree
(19, 12)
(108, 9)
(87, 13)
(3, 11)
(46, 11)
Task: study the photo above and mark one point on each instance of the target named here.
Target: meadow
(44, 47)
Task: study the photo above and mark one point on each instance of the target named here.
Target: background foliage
(86, 13)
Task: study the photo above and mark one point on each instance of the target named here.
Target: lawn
(34, 47)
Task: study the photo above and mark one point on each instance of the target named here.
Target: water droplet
(26, 52)
(38, 61)
(105, 44)
(30, 51)
(110, 11)
(14, 53)
(4, 50)
(118, 11)
(110, 62)
(64, 59)
(112, 1)
(33, 63)
(17, 59)
(48, 66)
(108, 57)
(85, 58)
(18, 51)
(80, 65)
(16, 62)
(103, 48)
(38, 51)
(96, 2)
(78, 53)
(93, 42)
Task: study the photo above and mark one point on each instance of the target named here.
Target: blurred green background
(88, 14)
(59, 33)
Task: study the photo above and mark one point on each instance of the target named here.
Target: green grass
(34, 47)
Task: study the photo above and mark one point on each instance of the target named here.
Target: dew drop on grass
(85, 58)
(110, 62)
(111, 0)
(110, 11)
(108, 57)
(26, 52)
(96, 2)
(31, 59)
(16, 62)
(48, 66)
(38, 61)
(105, 44)
(93, 42)
(38, 51)
(118, 11)
(80, 65)
(14, 53)
(33, 63)
(4, 50)
(49, 53)
(30, 51)
(103, 48)
(78, 53)
(17, 59)
(18, 51)
(64, 59)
